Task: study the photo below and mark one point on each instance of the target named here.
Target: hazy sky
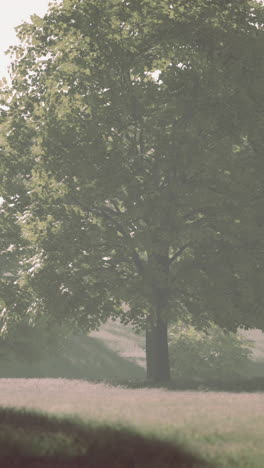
(13, 13)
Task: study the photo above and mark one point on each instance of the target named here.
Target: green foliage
(213, 353)
(132, 163)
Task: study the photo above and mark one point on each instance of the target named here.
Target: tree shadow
(236, 385)
(30, 439)
(80, 357)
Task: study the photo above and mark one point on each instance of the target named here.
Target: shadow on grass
(81, 357)
(238, 385)
(29, 439)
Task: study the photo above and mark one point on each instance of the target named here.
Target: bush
(213, 353)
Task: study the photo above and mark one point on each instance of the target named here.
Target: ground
(111, 424)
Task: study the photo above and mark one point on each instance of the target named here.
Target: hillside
(115, 353)
(257, 338)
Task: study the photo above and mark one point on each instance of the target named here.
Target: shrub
(214, 353)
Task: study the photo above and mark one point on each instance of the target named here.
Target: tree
(133, 165)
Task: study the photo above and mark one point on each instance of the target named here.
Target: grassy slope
(113, 354)
(257, 366)
(127, 344)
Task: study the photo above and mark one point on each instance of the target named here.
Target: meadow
(225, 429)
(69, 420)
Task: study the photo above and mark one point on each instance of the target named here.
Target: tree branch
(136, 258)
(178, 253)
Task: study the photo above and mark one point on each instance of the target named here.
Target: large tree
(133, 165)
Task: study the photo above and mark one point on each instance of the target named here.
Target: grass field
(98, 424)
(31, 439)
(223, 428)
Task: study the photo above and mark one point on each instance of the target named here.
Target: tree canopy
(132, 165)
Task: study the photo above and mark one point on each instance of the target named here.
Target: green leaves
(212, 353)
(131, 131)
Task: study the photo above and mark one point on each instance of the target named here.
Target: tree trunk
(157, 353)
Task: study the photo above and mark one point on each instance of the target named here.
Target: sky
(13, 13)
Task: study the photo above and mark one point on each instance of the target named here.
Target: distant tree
(133, 165)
